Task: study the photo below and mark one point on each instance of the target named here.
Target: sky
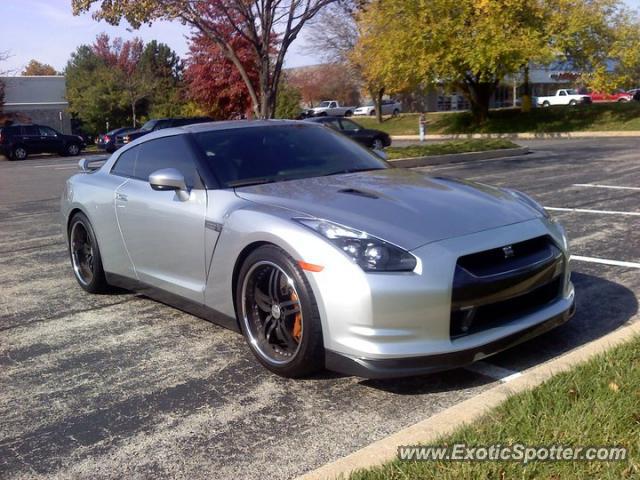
(46, 30)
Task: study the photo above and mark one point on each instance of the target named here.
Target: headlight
(523, 197)
(370, 253)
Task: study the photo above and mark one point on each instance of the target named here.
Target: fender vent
(360, 193)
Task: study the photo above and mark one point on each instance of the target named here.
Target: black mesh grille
(499, 285)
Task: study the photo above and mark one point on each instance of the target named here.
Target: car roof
(323, 119)
(211, 127)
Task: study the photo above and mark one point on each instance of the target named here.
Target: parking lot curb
(521, 135)
(458, 157)
(446, 422)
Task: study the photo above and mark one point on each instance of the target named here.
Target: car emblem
(508, 252)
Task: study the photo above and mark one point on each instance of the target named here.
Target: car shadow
(602, 306)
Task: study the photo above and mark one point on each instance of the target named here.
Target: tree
(474, 44)
(119, 82)
(212, 80)
(35, 68)
(136, 82)
(166, 68)
(268, 26)
(288, 104)
(325, 82)
(3, 57)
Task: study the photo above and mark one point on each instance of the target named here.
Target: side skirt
(173, 300)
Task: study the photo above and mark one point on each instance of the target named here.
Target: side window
(166, 152)
(349, 125)
(47, 132)
(30, 130)
(333, 105)
(162, 124)
(562, 93)
(126, 164)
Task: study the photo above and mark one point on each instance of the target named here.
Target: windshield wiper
(353, 170)
(250, 181)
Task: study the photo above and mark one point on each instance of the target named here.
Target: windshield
(147, 127)
(324, 104)
(252, 155)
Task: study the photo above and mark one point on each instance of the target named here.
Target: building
(38, 99)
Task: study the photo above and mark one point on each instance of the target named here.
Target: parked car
(366, 136)
(331, 108)
(389, 107)
(317, 250)
(564, 96)
(113, 140)
(601, 97)
(17, 142)
(162, 123)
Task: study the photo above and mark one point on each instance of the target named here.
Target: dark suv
(162, 123)
(19, 141)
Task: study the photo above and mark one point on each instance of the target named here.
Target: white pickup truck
(565, 96)
(331, 108)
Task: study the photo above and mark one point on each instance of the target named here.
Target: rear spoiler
(87, 164)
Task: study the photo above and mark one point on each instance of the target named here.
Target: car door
(163, 234)
(30, 138)
(50, 140)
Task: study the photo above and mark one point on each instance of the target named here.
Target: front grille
(497, 286)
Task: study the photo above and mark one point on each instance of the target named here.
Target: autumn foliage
(213, 81)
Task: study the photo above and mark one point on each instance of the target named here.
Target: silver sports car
(320, 252)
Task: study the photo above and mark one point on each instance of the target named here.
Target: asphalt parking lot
(119, 385)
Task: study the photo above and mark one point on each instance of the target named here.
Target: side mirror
(381, 153)
(169, 179)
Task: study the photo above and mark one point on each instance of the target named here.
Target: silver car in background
(317, 250)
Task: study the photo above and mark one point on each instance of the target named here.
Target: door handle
(121, 196)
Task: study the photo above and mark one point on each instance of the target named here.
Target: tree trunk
(378, 103)
(479, 95)
(133, 113)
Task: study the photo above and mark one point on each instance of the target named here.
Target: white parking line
(586, 210)
(493, 371)
(605, 261)
(591, 185)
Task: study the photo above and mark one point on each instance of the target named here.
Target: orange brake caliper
(297, 321)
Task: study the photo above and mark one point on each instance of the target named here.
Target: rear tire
(348, 113)
(573, 103)
(19, 153)
(546, 104)
(85, 255)
(373, 113)
(278, 313)
(396, 112)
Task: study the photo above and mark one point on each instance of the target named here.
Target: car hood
(403, 207)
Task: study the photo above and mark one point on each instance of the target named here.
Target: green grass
(454, 146)
(597, 403)
(598, 117)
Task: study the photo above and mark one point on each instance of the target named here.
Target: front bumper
(412, 366)
(399, 324)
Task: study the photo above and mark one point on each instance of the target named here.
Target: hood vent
(360, 193)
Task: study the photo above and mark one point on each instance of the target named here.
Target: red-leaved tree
(124, 58)
(213, 81)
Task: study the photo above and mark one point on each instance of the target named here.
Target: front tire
(85, 255)
(278, 314)
(378, 144)
(396, 112)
